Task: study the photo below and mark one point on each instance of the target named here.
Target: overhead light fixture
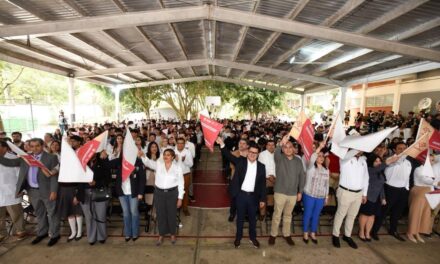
(292, 60)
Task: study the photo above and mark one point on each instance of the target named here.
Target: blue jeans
(131, 215)
(312, 210)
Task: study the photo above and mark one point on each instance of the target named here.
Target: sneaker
(350, 242)
(255, 243)
(289, 241)
(237, 243)
(272, 240)
(335, 241)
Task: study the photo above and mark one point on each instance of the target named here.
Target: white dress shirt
(8, 182)
(250, 177)
(187, 163)
(191, 147)
(166, 179)
(268, 160)
(126, 186)
(354, 174)
(397, 173)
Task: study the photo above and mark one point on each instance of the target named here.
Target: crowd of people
(268, 177)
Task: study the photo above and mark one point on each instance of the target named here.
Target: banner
(419, 149)
(129, 155)
(86, 152)
(210, 129)
(303, 131)
(433, 134)
(28, 158)
(71, 169)
(368, 142)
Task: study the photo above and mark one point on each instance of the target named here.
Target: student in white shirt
(168, 193)
(352, 191)
(267, 158)
(396, 193)
(184, 159)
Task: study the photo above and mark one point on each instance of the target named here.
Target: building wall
(408, 102)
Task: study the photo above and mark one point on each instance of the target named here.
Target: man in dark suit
(248, 188)
(41, 186)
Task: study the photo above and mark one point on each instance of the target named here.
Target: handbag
(101, 194)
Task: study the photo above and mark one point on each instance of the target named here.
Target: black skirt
(370, 208)
(65, 206)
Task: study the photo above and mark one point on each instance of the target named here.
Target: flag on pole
(332, 128)
(427, 168)
(419, 149)
(86, 152)
(28, 158)
(368, 142)
(303, 131)
(71, 169)
(210, 129)
(129, 155)
(433, 134)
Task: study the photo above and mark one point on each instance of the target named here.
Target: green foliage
(256, 101)
(141, 99)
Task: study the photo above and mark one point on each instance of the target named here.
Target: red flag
(434, 141)
(210, 129)
(31, 161)
(86, 152)
(303, 132)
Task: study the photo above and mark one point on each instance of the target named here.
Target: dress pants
(95, 214)
(284, 205)
(348, 208)
(166, 211)
(247, 204)
(15, 211)
(48, 220)
(397, 200)
(185, 202)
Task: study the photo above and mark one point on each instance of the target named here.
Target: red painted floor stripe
(211, 196)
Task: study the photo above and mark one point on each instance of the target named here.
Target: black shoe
(102, 241)
(127, 239)
(70, 239)
(91, 243)
(135, 238)
(237, 243)
(375, 236)
(38, 239)
(78, 238)
(335, 241)
(289, 241)
(272, 240)
(255, 243)
(362, 239)
(350, 242)
(231, 218)
(397, 236)
(315, 241)
(368, 239)
(53, 241)
(306, 241)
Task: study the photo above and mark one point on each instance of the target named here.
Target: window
(380, 100)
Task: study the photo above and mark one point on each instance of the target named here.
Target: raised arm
(226, 153)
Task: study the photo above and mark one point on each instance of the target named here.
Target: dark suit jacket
(101, 175)
(45, 184)
(240, 173)
(138, 177)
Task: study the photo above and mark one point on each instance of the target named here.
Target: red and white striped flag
(304, 132)
(129, 155)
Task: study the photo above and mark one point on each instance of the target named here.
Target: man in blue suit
(248, 188)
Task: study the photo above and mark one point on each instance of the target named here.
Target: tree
(255, 101)
(141, 98)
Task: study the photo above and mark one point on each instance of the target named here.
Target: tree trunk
(2, 128)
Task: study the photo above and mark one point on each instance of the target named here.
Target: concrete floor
(206, 237)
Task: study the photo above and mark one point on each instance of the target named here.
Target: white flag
(368, 142)
(129, 155)
(427, 168)
(71, 169)
(338, 135)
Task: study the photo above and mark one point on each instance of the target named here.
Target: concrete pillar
(71, 90)
(117, 92)
(363, 98)
(396, 97)
(303, 101)
(342, 101)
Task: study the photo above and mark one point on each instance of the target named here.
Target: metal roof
(135, 43)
